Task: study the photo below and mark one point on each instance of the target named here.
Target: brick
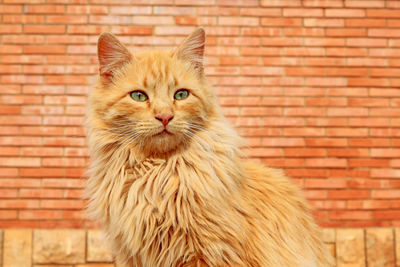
(326, 142)
(238, 2)
(326, 162)
(17, 247)
(235, 21)
(348, 194)
(302, 12)
(291, 22)
(323, 22)
(7, 215)
(8, 193)
(53, 9)
(368, 163)
(44, 49)
(351, 32)
(386, 194)
(20, 162)
(44, 29)
(63, 183)
(39, 214)
(42, 172)
(61, 204)
(325, 183)
(41, 193)
(97, 250)
(341, 13)
(369, 142)
(347, 132)
(328, 204)
(350, 247)
(59, 246)
(380, 247)
(375, 23)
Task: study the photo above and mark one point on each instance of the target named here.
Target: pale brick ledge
(87, 248)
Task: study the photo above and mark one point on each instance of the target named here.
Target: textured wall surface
(355, 247)
(313, 85)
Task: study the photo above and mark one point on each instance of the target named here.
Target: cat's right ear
(112, 55)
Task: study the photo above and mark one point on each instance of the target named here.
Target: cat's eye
(139, 96)
(181, 94)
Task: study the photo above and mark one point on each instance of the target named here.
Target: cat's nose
(165, 118)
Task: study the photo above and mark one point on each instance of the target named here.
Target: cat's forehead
(157, 67)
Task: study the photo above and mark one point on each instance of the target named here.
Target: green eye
(139, 96)
(181, 94)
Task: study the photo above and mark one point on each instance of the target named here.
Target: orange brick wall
(313, 85)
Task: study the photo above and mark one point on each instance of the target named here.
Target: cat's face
(156, 100)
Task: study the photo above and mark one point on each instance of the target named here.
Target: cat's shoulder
(269, 179)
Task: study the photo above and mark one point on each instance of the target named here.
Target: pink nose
(165, 118)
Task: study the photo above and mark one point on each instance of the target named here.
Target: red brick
(348, 132)
(326, 122)
(328, 204)
(326, 142)
(19, 204)
(41, 151)
(376, 23)
(63, 183)
(323, 3)
(304, 152)
(326, 162)
(347, 112)
(351, 32)
(9, 151)
(10, 9)
(341, 13)
(8, 193)
(350, 215)
(238, 2)
(325, 183)
(74, 215)
(230, 11)
(41, 172)
(40, 214)
(8, 214)
(44, 49)
(386, 214)
(385, 173)
(252, 31)
(302, 12)
(61, 204)
(348, 194)
(383, 13)
(63, 141)
(41, 193)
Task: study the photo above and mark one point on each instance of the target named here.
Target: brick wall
(313, 85)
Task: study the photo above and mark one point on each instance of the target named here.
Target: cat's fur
(186, 198)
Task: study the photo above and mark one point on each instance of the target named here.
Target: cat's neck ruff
(154, 195)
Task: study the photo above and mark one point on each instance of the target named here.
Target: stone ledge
(355, 247)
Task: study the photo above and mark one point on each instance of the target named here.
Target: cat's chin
(163, 142)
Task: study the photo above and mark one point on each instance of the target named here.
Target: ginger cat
(167, 177)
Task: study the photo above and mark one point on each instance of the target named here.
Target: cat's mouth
(163, 132)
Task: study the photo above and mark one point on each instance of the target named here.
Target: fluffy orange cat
(167, 177)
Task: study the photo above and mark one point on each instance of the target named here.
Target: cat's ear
(112, 54)
(192, 49)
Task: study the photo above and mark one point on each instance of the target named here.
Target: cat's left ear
(192, 49)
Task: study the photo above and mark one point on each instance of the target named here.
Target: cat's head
(154, 100)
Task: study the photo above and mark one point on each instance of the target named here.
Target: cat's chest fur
(173, 203)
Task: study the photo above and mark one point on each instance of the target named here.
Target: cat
(167, 178)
